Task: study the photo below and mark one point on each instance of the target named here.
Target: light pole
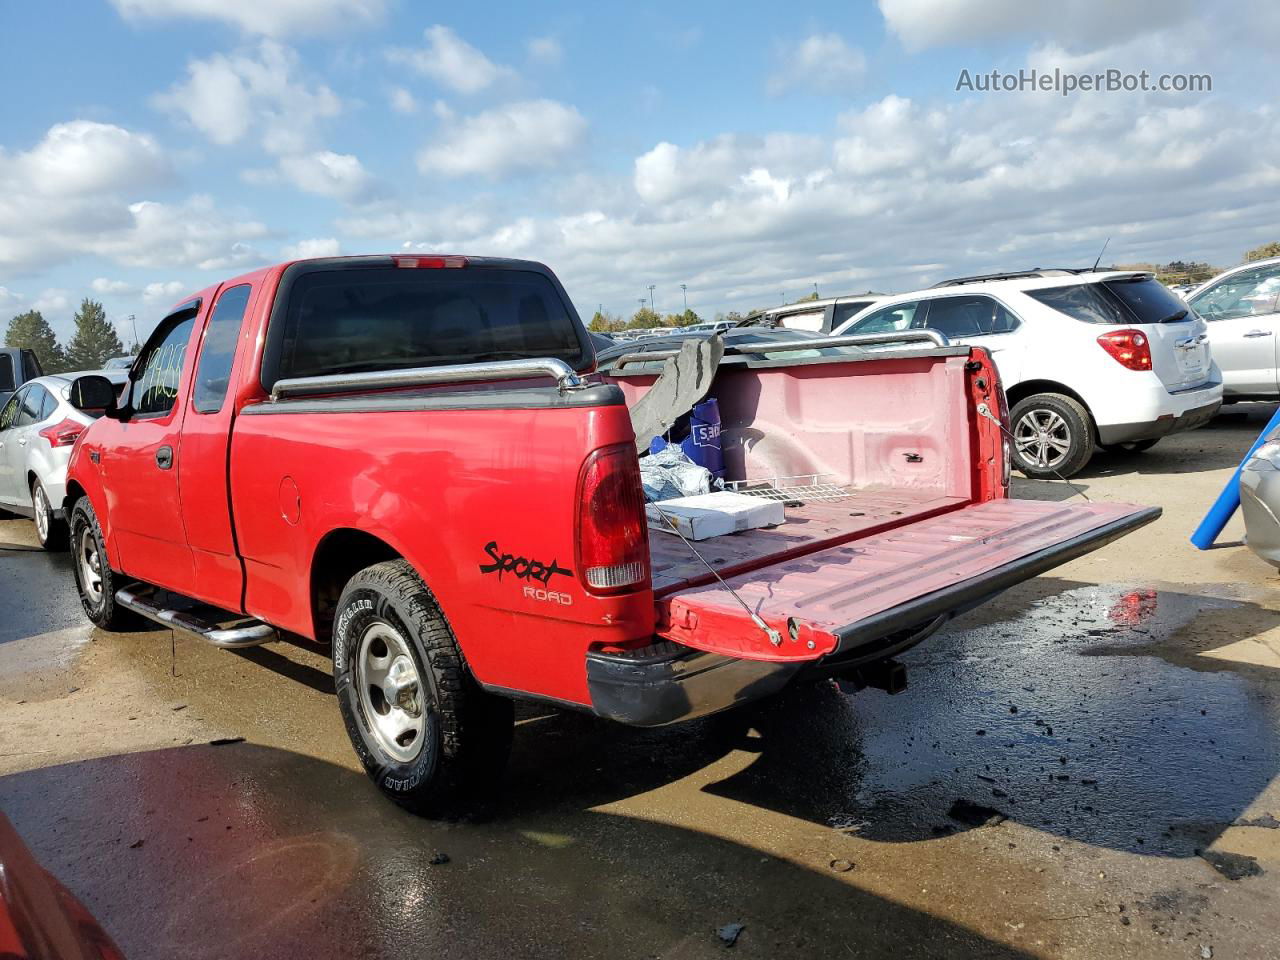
(815, 290)
(684, 292)
(652, 306)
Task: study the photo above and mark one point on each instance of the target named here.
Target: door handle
(1258, 333)
(164, 458)
(22, 441)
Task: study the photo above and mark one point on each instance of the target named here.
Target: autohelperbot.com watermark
(1067, 82)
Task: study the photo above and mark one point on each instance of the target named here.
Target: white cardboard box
(714, 514)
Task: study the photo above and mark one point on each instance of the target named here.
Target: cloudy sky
(747, 150)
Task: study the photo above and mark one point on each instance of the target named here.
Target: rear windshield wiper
(1174, 317)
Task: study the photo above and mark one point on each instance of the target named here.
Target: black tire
(99, 605)
(51, 532)
(465, 733)
(1133, 446)
(1067, 422)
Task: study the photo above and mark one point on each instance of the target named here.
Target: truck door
(206, 437)
(140, 457)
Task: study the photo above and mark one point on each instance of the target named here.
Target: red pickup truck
(414, 460)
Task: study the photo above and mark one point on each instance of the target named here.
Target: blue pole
(1229, 499)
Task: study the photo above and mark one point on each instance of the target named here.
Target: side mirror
(93, 394)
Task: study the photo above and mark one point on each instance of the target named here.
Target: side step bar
(141, 600)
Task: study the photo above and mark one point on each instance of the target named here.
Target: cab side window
(6, 372)
(213, 373)
(155, 391)
(970, 316)
(891, 319)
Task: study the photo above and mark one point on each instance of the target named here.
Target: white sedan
(38, 428)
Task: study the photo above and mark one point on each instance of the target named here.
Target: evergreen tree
(95, 340)
(30, 331)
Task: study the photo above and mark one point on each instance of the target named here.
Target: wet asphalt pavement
(1087, 767)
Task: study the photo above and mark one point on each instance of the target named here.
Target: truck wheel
(428, 735)
(95, 579)
(1053, 435)
(50, 532)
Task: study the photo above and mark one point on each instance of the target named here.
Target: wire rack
(816, 486)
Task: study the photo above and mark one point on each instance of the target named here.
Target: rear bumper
(1259, 498)
(667, 682)
(1160, 427)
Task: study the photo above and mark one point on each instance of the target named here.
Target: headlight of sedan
(1266, 457)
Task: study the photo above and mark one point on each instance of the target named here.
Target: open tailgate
(835, 600)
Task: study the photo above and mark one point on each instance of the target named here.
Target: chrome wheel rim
(390, 690)
(90, 563)
(1042, 438)
(40, 503)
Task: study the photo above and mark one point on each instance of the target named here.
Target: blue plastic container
(702, 446)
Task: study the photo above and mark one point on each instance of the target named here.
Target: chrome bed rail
(783, 346)
(564, 375)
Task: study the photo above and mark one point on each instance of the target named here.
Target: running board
(141, 600)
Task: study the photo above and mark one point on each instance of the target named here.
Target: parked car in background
(38, 427)
(1260, 500)
(1086, 357)
(119, 363)
(816, 316)
(1242, 309)
(16, 368)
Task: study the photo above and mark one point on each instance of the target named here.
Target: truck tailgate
(836, 600)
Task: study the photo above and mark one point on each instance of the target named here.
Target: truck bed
(813, 524)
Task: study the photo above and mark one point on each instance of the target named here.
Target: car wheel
(1133, 446)
(1053, 435)
(426, 733)
(95, 579)
(50, 531)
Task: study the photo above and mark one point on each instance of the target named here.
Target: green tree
(30, 331)
(688, 318)
(644, 318)
(605, 322)
(95, 339)
(1263, 252)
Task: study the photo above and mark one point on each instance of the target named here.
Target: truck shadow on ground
(242, 850)
(1098, 715)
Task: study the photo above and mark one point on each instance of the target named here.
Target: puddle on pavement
(37, 668)
(1062, 719)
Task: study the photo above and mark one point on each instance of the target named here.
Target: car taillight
(1129, 347)
(613, 537)
(62, 434)
(429, 263)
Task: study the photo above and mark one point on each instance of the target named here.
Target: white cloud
(76, 193)
(269, 17)
(821, 62)
(164, 290)
(402, 101)
(10, 299)
(901, 194)
(114, 287)
(84, 157)
(314, 247)
(451, 61)
(545, 50)
(52, 300)
(1077, 24)
(517, 136)
(260, 90)
(328, 174)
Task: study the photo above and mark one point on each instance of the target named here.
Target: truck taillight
(429, 263)
(62, 434)
(613, 538)
(1129, 347)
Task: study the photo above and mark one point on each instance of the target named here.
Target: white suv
(1242, 307)
(1086, 357)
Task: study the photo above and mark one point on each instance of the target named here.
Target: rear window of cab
(361, 319)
